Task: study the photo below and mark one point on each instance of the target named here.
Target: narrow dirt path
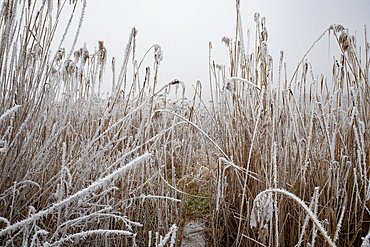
(193, 234)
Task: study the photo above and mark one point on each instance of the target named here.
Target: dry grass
(282, 163)
(65, 149)
(296, 135)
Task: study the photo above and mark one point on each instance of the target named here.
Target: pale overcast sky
(184, 28)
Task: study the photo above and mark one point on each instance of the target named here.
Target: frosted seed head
(70, 67)
(36, 51)
(77, 55)
(85, 55)
(60, 55)
(281, 55)
(102, 52)
(353, 40)
(158, 54)
(174, 82)
(264, 35)
(256, 16)
(219, 66)
(226, 40)
(229, 86)
(262, 210)
(264, 50)
(344, 40)
(101, 45)
(336, 28)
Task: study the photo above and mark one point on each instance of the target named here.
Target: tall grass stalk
(65, 149)
(132, 168)
(308, 135)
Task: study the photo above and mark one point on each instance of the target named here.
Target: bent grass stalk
(62, 140)
(93, 187)
(85, 234)
(309, 212)
(246, 177)
(196, 127)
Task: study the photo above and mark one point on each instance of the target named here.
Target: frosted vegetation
(272, 160)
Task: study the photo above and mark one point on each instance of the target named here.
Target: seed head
(344, 40)
(264, 35)
(158, 54)
(256, 16)
(226, 40)
(336, 28)
(60, 55)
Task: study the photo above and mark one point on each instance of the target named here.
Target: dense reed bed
(299, 146)
(77, 168)
(270, 161)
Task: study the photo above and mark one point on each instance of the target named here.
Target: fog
(184, 29)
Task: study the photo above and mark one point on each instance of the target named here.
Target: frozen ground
(193, 234)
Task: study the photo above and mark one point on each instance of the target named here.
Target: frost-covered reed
(269, 162)
(78, 167)
(303, 135)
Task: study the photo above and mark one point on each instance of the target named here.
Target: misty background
(184, 29)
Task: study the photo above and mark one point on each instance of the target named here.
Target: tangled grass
(265, 163)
